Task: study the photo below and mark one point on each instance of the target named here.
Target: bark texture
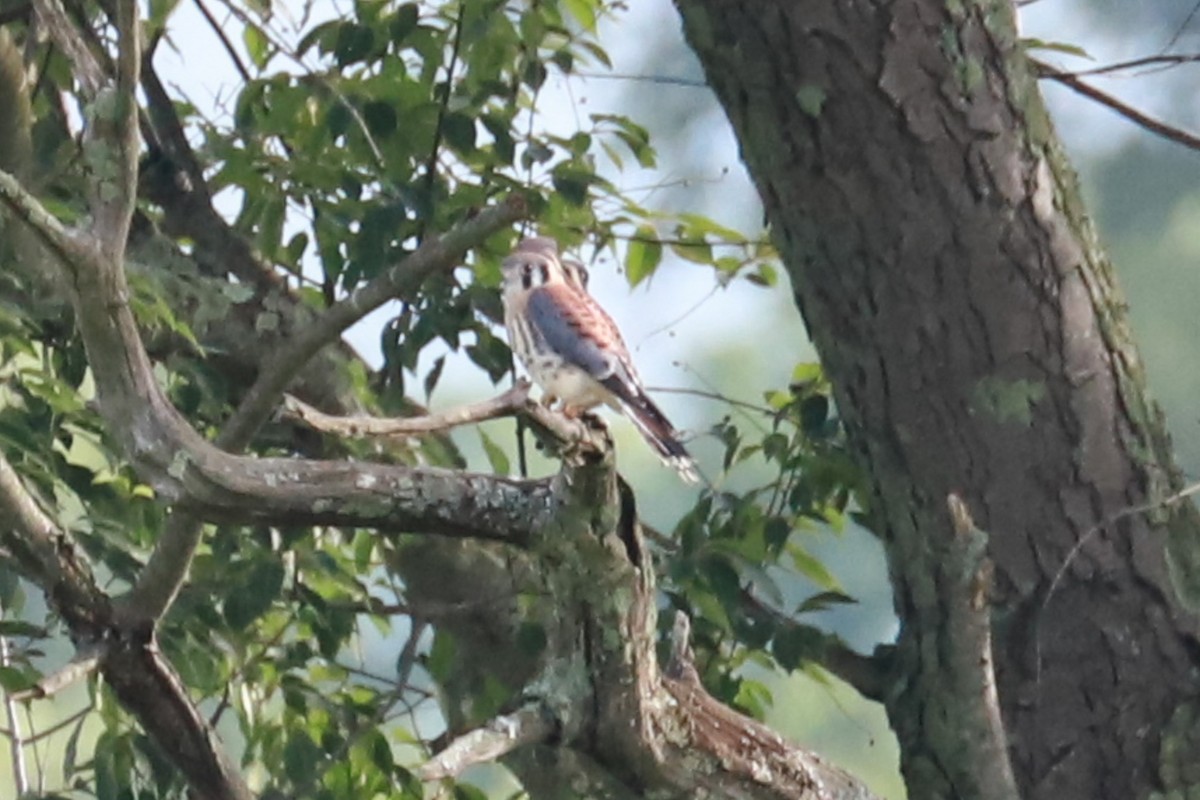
(977, 343)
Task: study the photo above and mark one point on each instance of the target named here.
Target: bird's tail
(658, 431)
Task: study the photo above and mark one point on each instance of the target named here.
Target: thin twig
(224, 40)
(1169, 132)
(439, 125)
(1073, 553)
(16, 737)
(1182, 27)
(86, 661)
(56, 727)
(1163, 61)
(510, 402)
(661, 80)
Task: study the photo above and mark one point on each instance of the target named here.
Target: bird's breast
(574, 386)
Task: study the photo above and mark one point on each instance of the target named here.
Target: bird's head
(535, 263)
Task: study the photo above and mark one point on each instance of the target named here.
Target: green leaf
(796, 644)
(353, 43)
(380, 118)
(495, 455)
(459, 132)
(15, 680)
(643, 255)
(433, 376)
(301, 757)
(572, 186)
(440, 661)
(811, 568)
(584, 12)
(1068, 48)
(823, 600)
(404, 22)
(17, 627)
(754, 697)
(254, 595)
(257, 45)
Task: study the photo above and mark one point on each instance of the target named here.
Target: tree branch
(87, 658)
(562, 433)
(513, 401)
(185, 468)
(965, 586)
(147, 685)
(86, 68)
(1072, 81)
(111, 140)
(66, 246)
(46, 555)
(301, 491)
(16, 736)
(401, 280)
(868, 675)
(531, 724)
(128, 658)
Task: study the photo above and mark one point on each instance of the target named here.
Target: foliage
(343, 152)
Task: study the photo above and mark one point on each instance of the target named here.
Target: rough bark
(623, 727)
(977, 343)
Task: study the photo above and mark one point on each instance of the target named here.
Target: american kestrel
(572, 348)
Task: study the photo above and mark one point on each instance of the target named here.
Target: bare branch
(46, 733)
(85, 661)
(282, 491)
(16, 736)
(1071, 81)
(437, 253)
(966, 583)
(162, 577)
(511, 402)
(84, 65)
(149, 687)
(1162, 61)
(111, 139)
(531, 724)
(560, 431)
(183, 467)
(65, 245)
(45, 554)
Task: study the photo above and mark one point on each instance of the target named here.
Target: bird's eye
(526, 276)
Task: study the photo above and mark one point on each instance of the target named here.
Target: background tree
(973, 337)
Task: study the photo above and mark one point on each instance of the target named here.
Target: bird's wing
(577, 328)
(572, 325)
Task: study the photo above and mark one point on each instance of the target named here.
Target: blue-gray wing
(563, 322)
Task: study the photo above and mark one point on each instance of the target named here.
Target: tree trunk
(978, 345)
